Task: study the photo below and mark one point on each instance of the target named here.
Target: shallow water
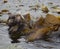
(13, 7)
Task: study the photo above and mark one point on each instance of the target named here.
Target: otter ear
(27, 17)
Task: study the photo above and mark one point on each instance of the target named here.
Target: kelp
(44, 8)
(51, 19)
(5, 1)
(4, 10)
(0, 13)
(48, 24)
(39, 33)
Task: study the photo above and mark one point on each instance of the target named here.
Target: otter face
(17, 27)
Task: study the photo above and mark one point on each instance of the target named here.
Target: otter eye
(13, 17)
